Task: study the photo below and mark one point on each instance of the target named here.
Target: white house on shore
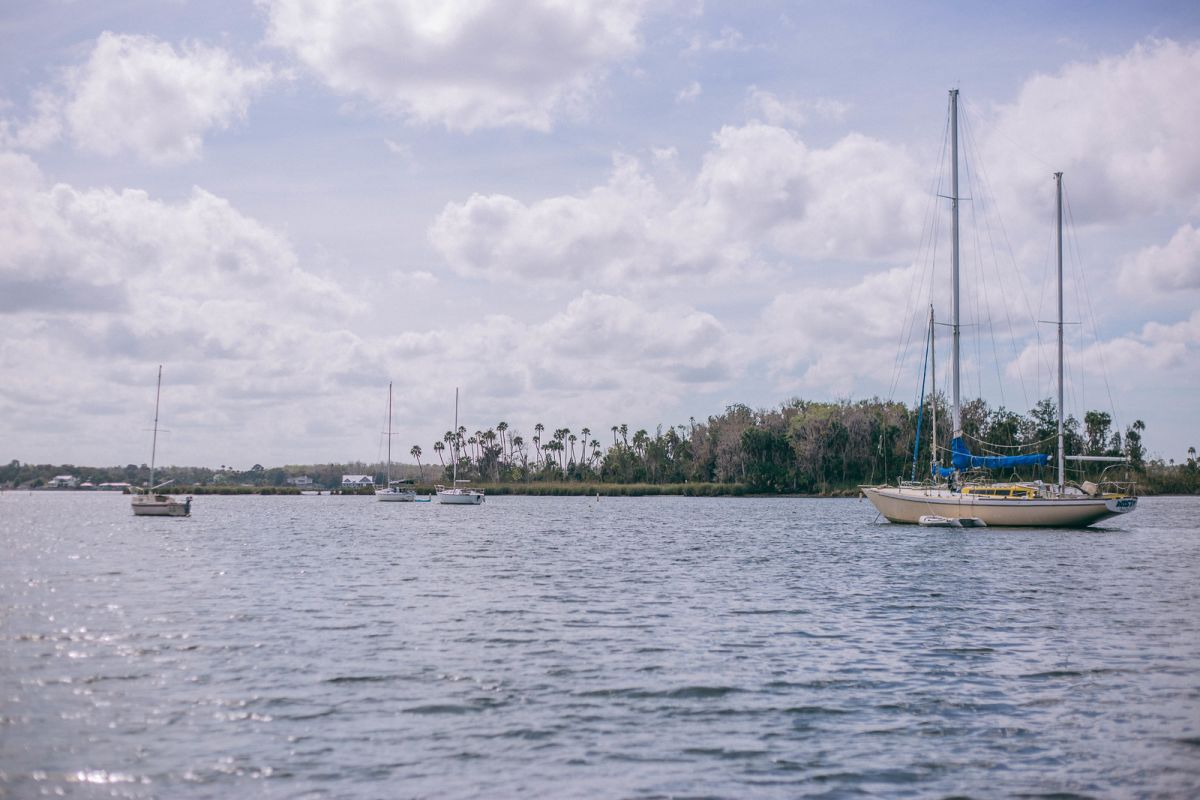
(63, 482)
(302, 481)
(357, 481)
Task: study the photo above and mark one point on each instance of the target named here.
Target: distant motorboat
(148, 502)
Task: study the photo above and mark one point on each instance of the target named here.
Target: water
(563, 647)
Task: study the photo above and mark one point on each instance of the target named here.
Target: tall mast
(154, 441)
(933, 378)
(455, 469)
(389, 466)
(1058, 192)
(956, 399)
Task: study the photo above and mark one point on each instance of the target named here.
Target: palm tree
(560, 435)
(518, 444)
(501, 427)
(438, 447)
(614, 431)
(625, 434)
(415, 452)
(572, 439)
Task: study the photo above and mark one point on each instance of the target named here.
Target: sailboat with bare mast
(1022, 504)
(394, 492)
(150, 503)
(461, 493)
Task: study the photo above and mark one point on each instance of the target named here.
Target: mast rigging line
(1082, 285)
(925, 264)
(998, 243)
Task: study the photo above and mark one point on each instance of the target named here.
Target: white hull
(460, 497)
(161, 505)
(396, 496)
(909, 504)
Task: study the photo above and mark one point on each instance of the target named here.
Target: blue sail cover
(962, 459)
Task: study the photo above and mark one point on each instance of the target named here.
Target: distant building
(118, 486)
(302, 481)
(356, 481)
(63, 482)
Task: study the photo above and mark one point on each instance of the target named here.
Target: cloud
(728, 40)
(139, 95)
(197, 273)
(790, 113)
(834, 338)
(689, 93)
(758, 193)
(39, 132)
(1164, 269)
(97, 286)
(1122, 129)
(464, 64)
(593, 359)
(1161, 355)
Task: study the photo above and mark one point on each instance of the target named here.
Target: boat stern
(1120, 505)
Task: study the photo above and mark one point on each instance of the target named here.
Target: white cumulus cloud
(1165, 268)
(789, 112)
(1122, 128)
(137, 94)
(465, 64)
(759, 189)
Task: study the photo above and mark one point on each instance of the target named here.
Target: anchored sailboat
(150, 503)
(1032, 504)
(395, 491)
(461, 493)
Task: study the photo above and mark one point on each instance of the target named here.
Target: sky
(584, 214)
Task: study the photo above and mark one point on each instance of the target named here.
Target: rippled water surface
(564, 647)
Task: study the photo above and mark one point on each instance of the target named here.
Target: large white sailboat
(1019, 504)
(395, 491)
(461, 493)
(149, 503)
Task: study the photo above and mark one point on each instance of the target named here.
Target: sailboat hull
(158, 505)
(460, 497)
(396, 496)
(909, 504)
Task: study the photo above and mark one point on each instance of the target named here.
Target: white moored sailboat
(395, 491)
(149, 503)
(1031, 504)
(461, 493)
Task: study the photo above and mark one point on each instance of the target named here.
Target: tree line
(803, 446)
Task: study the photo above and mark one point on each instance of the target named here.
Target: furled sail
(962, 458)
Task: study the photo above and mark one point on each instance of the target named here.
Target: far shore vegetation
(801, 448)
